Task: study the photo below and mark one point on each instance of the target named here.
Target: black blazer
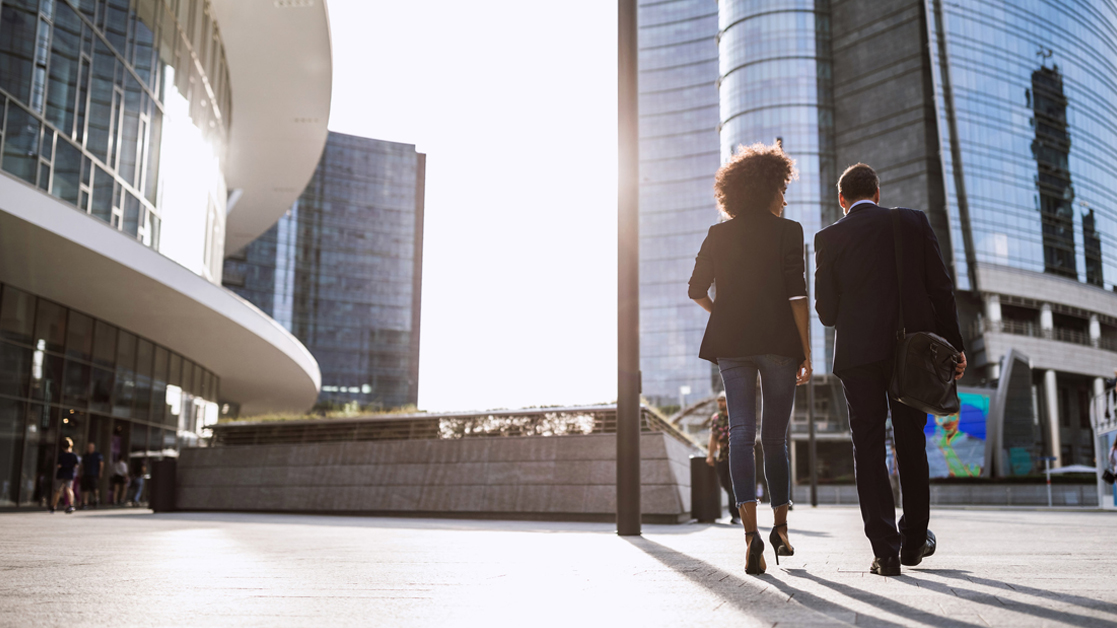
(855, 284)
(757, 263)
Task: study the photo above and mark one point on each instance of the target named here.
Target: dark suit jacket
(855, 284)
(756, 262)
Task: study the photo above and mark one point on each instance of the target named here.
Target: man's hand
(710, 460)
(960, 368)
(803, 375)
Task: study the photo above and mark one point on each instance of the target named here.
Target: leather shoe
(927, 549)
(886, 566)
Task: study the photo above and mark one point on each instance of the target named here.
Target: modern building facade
(678, 62)
(342, 270)
(124, 175)
(997, 119)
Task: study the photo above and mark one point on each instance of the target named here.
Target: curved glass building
(139, 143)
(1025, 95)
(998, 119)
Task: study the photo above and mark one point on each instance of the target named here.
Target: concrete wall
(971, 495)
(536, 477)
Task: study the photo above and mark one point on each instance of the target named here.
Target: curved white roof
(55, 251)
(281, 72)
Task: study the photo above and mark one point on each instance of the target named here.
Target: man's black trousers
(866, 390)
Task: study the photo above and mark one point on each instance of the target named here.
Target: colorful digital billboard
(956, 443)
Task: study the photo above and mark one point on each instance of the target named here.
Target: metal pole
(812, 445)
(628, 278)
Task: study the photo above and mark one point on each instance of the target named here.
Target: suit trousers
(866, 390)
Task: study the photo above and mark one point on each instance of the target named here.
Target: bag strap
(898, 243)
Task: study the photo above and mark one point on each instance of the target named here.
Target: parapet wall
(530, 477)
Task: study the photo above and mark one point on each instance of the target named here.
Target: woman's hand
(710, 460)
(803, 375)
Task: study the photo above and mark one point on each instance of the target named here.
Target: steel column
(628, 278)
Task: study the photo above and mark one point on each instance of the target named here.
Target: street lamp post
(628, 278)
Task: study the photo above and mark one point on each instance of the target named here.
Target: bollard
(161, 494)
(705, 491)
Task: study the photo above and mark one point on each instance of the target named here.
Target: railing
(490, 424)
(1028, 328)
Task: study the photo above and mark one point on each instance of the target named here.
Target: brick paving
(1016, 568)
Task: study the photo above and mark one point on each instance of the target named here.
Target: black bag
(925, 363)
(1108, 476)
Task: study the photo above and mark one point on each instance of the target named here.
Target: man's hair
(749, 182)
(69, 443)
(858, 182)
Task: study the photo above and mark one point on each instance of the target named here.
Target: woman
(758, 325)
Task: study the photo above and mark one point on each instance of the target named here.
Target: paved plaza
(1017, 568)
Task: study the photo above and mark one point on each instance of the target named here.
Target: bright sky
(514, 104)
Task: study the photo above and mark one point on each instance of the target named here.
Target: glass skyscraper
(678, 63)
(997, 119)
(343, 270)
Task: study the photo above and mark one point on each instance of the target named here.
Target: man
(92, 466)
(855, 282)
(64, 477)
(718, 454)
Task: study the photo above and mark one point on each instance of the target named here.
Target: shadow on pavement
(882, 602)
(1077, 600)
(729, 587)
(1025, 608)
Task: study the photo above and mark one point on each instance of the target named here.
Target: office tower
(343, 270)
(678, 63)
(138, 144)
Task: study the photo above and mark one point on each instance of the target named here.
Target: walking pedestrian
(92, 466)
(119, 480)
(64, 477)
(857, 293)
(757, 326)
(718, 454)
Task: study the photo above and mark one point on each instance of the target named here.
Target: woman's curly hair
(749, 181)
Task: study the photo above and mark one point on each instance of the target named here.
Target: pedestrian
(718, 454)
(138, 484)
(64, 476)
(857, 293)
(119, 480)
(92, 466)
(757, 326)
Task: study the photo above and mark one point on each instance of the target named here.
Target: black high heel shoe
(782, 549)
(755, 554)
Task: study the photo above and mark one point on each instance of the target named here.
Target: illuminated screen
(956, 443)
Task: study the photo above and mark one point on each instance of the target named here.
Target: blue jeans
(777, 383)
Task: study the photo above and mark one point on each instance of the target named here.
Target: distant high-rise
(678, 158)
(343, 270)
(994, 119)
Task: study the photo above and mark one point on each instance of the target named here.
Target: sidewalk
(129, 568)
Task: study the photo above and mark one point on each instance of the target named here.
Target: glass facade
(342, 271)
(678, 158)
(65, 374)
(1032, 88)
(775, 85)
(121, 109)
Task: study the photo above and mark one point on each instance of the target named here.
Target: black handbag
(1108, 476)
(925, 363)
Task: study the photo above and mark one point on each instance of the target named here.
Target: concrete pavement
(1018, 568)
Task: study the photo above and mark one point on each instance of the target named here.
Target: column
(1046, 321)
(993, 312)
(993, 323)
(1095, 330)
(1051, 394)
